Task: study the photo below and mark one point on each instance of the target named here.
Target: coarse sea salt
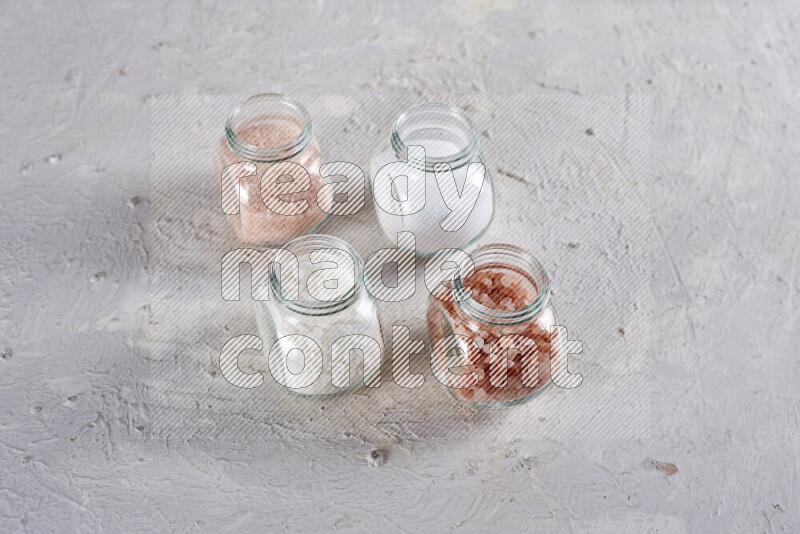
(351, 311)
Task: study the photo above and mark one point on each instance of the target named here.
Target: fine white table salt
(425, 224)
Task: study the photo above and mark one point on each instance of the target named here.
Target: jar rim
(284, 107)
(306, 244)
(504, 255)
(449, 115)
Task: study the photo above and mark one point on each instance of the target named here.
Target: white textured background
(75, 450)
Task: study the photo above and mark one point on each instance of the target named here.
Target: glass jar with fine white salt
(323, 325)
(442, 193)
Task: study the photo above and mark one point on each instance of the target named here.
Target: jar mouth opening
(304, 245)
(278, 112)
(444, 130)
(504, 256)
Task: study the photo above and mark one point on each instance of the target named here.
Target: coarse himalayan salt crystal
(256, 223)
(500, 289)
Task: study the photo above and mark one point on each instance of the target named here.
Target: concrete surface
(78, 447)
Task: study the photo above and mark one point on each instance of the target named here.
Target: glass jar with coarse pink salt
(493, 333)
(268, 165)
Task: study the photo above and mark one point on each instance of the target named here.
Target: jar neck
(503, 256)
(445, 131)
(268, 128)
(302, 247)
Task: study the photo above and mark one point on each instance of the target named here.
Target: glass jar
(273, 133)
(449, 137)
(346, 319)
(507, 294)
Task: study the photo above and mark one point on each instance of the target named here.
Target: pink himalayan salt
(256, 223)
(506, 288)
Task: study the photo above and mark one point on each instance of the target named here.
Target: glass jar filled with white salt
(323, 325)
(268, 165)
(444, 195)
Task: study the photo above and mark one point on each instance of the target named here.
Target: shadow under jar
(278, 194)
(449, 137)
(506, 297)
(340, 318)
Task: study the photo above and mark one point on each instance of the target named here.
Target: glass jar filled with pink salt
(268, 165)
(501, 316)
